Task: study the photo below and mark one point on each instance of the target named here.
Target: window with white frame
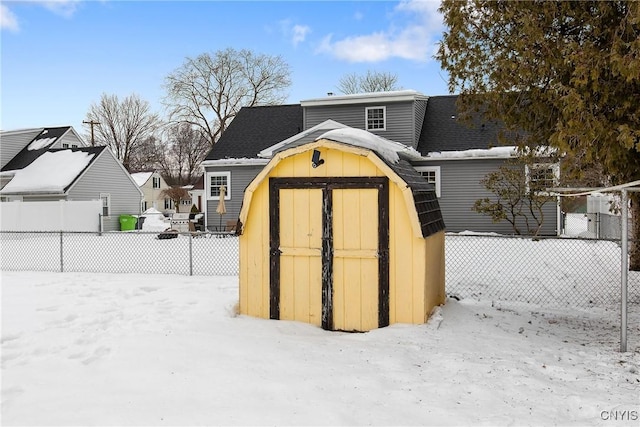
(168, 204)
(65, 145)
(106, 204)
(432, 175)
(215, 180)
(144, 205)
(542, 176)
(156, 182)
(376, 118)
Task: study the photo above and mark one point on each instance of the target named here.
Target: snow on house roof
(489, 153)
(389, 150)
(52, 172)
(369, 97)
(141, 177)
(47, 137)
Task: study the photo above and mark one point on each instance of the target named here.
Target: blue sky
(58, 57)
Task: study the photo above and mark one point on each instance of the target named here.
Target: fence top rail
(121, 233)
(524, 237)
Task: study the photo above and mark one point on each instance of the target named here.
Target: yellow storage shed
(341, 233)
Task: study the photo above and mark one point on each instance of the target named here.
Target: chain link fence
(551, 271)
(213, 254)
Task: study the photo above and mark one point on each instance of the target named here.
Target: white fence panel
(51, 216)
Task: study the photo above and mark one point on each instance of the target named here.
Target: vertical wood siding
(105, 175)
(412, 273)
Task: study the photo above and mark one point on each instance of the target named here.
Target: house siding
(153, 196)
(68, 138)
(105, 175)
(420, 107)
(460, 187)
(12, 143)
(241, 176)
(400, 121)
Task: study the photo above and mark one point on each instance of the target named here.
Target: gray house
(454, 157)
(54, 164)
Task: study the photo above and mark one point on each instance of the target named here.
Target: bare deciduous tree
(123, 126)
(373, 81)
(185, 148)
(149, 155)
(176, 194)
(209, 90)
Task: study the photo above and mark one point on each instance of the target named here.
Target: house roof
(256, 128)
(53, 172)
(443, 131)
(38, 146)
(260, 132)
(141, 177)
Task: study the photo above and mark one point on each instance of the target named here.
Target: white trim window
(156, 182)
(215, 180)
(432, 175)
(542, 176)
(105, 198)
(375, 118)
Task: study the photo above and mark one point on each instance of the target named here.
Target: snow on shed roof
(389, 150)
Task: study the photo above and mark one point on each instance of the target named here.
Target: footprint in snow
(97, 354)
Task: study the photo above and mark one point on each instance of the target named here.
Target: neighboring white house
(152, 185)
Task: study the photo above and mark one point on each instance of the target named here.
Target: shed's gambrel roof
(256, 128)
(442, 130)
(417, 192)
(424, 197)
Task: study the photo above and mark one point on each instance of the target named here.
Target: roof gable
(39, 145)
(53, 172)
(419, 195)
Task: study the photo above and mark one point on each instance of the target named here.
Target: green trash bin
(128, 222)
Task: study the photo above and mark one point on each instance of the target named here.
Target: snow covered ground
(101, 348)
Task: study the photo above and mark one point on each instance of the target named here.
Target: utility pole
(92, 124)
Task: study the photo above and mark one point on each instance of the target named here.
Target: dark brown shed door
(329, 252)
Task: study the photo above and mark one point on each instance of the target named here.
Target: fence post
(190, 254)
(625, 270)
(61, 254)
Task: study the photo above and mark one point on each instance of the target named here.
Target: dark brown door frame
(327, 185)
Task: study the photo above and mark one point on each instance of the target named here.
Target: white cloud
(300, 33)
(413, 40)
(295, 32)
(8, 20)
(64, 8)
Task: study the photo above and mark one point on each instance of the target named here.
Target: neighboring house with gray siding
(455, 157)
(55, 165)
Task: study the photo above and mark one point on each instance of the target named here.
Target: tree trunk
(634, 242)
